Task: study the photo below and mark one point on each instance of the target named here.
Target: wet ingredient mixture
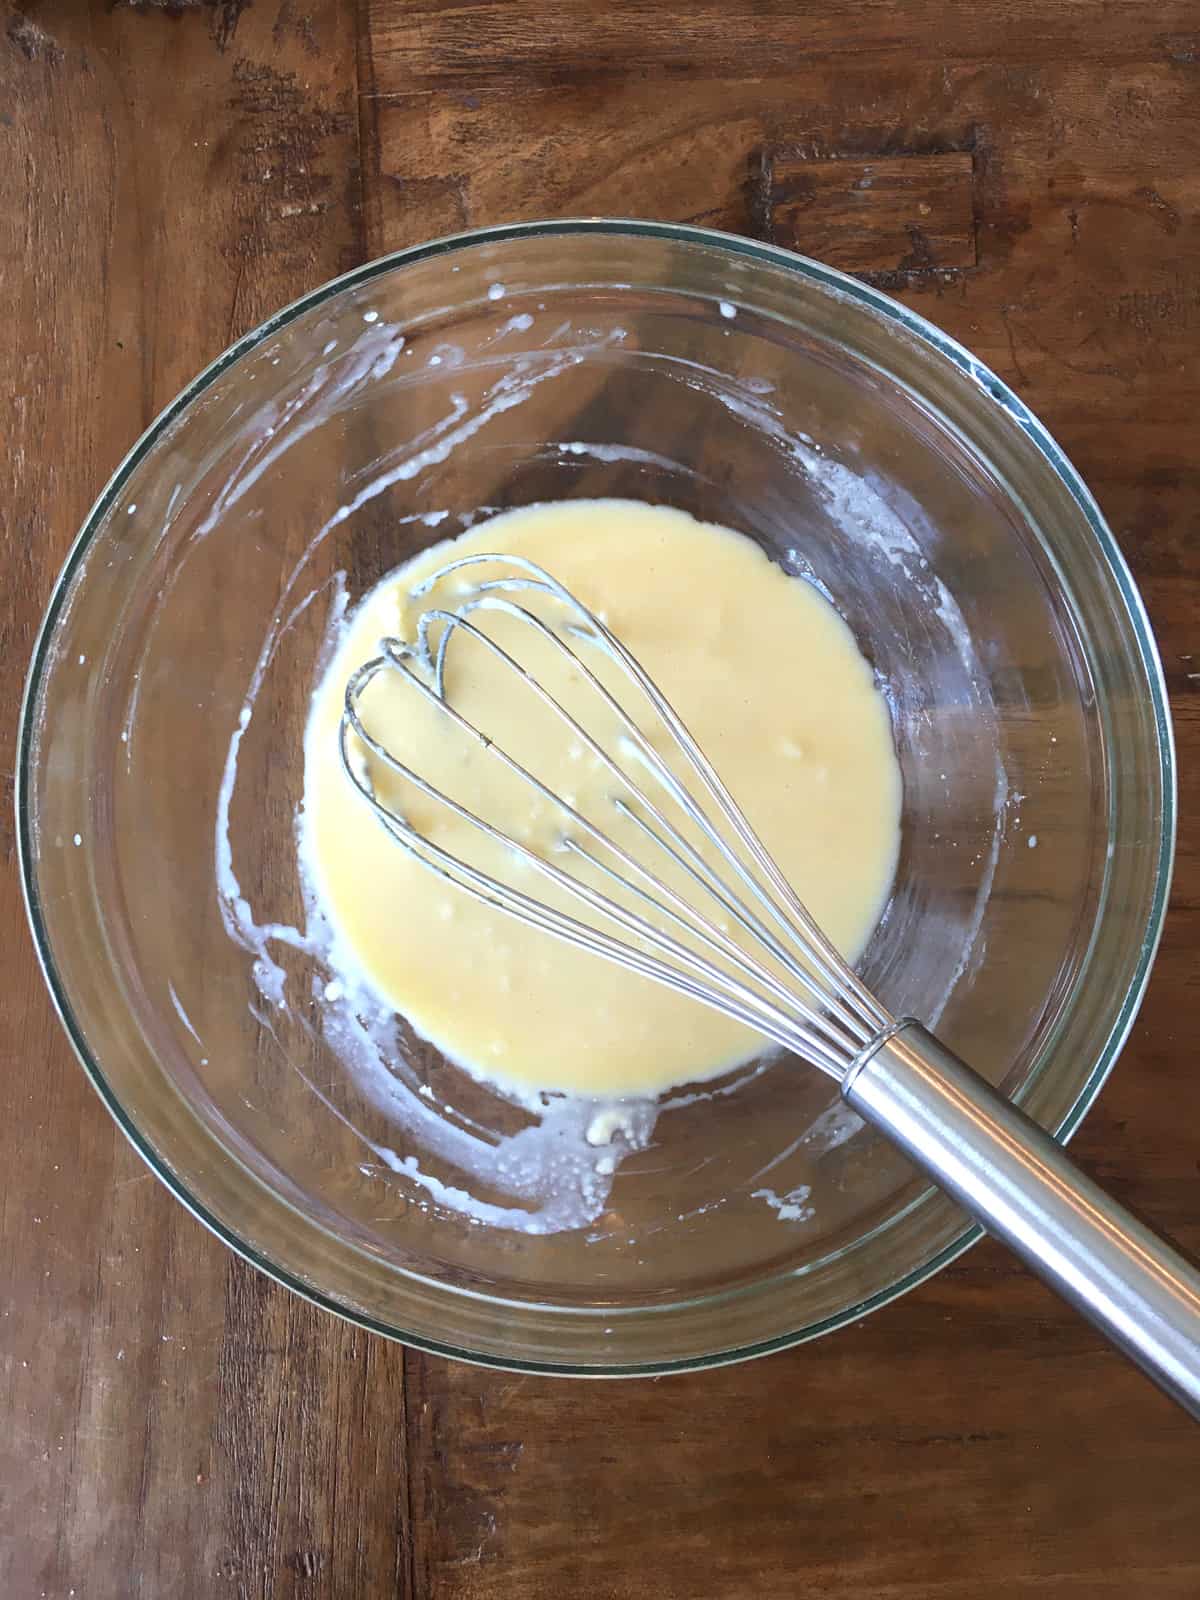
(769, 680)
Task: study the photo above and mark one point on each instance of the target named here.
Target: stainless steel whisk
(784, 978)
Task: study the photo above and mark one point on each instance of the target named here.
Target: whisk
(667, 907)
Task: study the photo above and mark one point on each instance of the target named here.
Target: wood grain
(176, 1424)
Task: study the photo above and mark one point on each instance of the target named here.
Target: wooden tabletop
(174, 1423)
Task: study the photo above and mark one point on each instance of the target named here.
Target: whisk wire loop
(822, 1010)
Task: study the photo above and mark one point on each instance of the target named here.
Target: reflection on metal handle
(1020, 1185)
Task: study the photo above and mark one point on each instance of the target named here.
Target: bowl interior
(162, 772)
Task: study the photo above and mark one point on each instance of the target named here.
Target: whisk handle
(1016, 1181)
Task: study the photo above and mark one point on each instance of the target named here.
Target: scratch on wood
(1012, 346)
(297, 23)
(1181, 49)
(1171, 217)
(1150, 311)
(32, 40)
(223, 21)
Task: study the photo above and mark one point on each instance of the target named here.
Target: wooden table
(174, 1424)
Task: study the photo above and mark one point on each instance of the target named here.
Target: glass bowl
(161, 743)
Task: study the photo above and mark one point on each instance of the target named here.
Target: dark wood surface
(176, 1425)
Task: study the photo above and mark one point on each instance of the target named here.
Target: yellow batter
(771, 684)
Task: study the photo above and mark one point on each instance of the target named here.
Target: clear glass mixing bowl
(866, 452)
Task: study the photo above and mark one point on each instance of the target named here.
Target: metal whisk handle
(1019, 1184)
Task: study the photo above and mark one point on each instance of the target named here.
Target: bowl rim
(830, 278)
